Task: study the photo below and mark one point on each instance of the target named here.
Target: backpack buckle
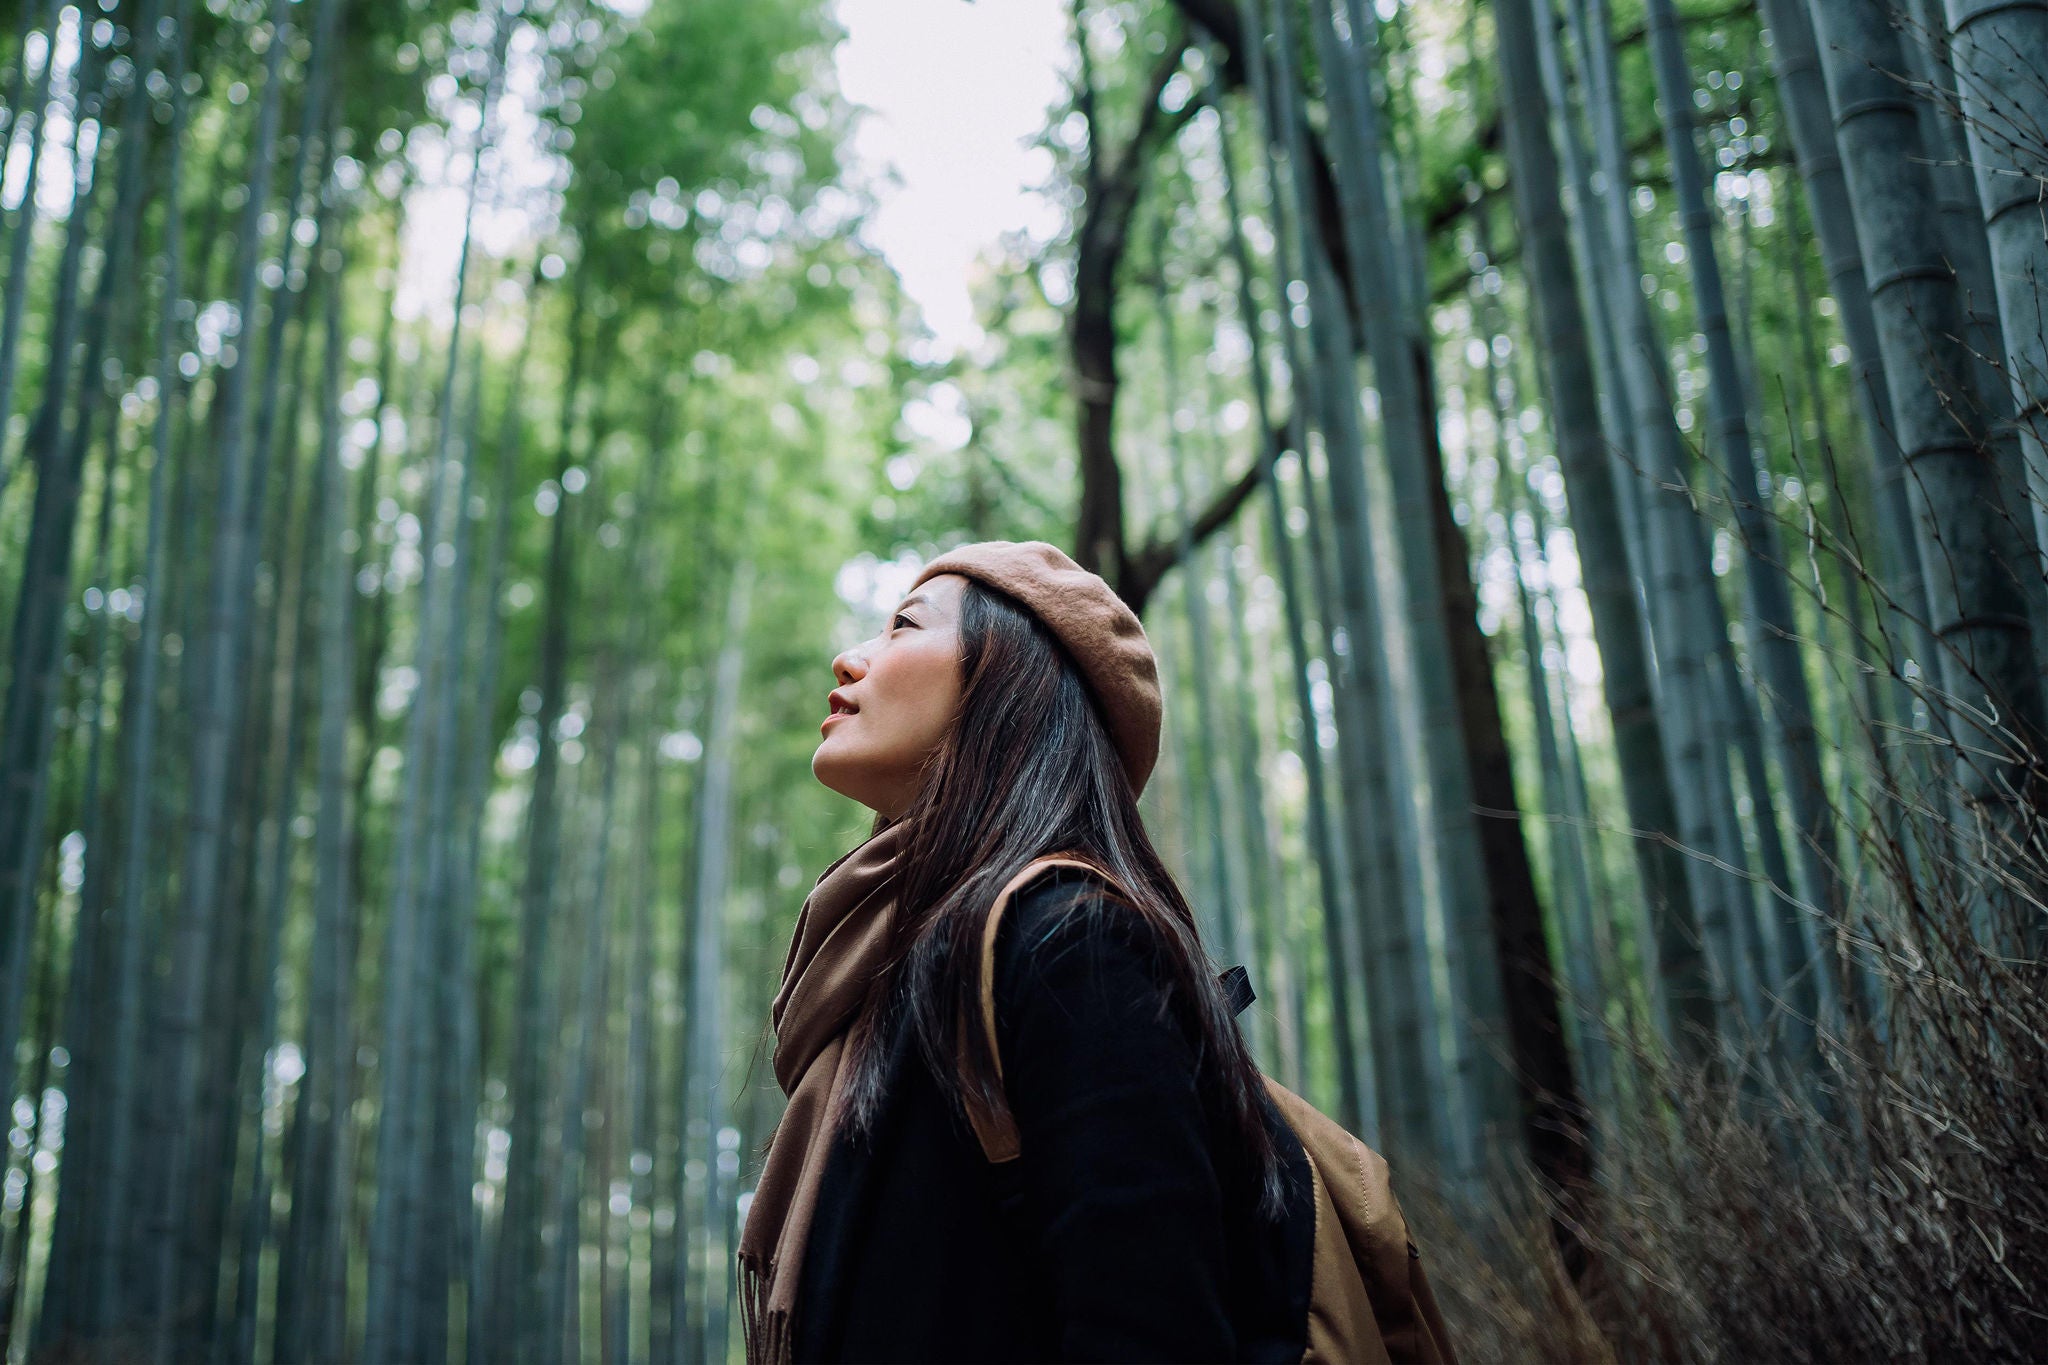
(1237, 988)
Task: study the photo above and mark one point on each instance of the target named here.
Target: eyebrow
(913, 601)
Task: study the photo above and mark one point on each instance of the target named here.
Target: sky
(954, 92)
(951, 93)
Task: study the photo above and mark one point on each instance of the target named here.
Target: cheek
(937, 695)
(922, 695)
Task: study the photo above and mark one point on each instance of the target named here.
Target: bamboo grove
(1581, 463)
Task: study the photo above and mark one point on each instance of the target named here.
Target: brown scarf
(841, 938)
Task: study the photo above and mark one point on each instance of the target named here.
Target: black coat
(1127, 1230)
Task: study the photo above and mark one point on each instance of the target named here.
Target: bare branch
(1144, 569)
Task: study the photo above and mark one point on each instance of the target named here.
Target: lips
(841, 706)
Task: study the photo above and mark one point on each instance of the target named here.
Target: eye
(900, 617)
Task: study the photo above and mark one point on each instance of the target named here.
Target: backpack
(1368, 1299)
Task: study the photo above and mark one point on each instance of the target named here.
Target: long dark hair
(1028, 770)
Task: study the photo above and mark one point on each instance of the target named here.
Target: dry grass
(1895, 1208)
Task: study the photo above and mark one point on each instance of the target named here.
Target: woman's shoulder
(1069, 917)
(1070, 900)
(1062, 885)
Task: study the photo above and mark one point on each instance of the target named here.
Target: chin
(834, 774)
(830, 771)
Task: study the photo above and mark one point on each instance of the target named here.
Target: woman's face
(896, 699)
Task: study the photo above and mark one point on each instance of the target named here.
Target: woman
(1010, 710)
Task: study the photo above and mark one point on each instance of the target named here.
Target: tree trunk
(18, 248)
(1999, 51)
(1928, 49)
(1552, 1108)
(1438, 590)
(1596, 522)
(1690, 626)
(1404, 1031)
(1874, 702)
(371, 575)
(1351, 1080)
(1587, 957)
(220, 661)
(1972, 555)
(274, 888)
(407, 1316)
(228, 1068)
(107, 1239)
(90, 948)
(27, 729)
(559, 1309)
(1776, 652)
(1591, 236)
(309, 1322)
(1226, 913)
(517, 1269)
(642, 1131)
(1796, 67)
(705, 1112)
(1111, 183)
(1256, 835)
(14, 1255)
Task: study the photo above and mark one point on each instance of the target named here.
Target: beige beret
(1100, 634)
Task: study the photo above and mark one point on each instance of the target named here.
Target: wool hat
(1099, 632)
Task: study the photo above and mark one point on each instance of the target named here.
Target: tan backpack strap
(997, 1131)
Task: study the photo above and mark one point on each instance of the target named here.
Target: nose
(851, 665)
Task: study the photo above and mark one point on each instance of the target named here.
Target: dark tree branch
(1084, 102)
(1145, 567)
(1114, 182)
